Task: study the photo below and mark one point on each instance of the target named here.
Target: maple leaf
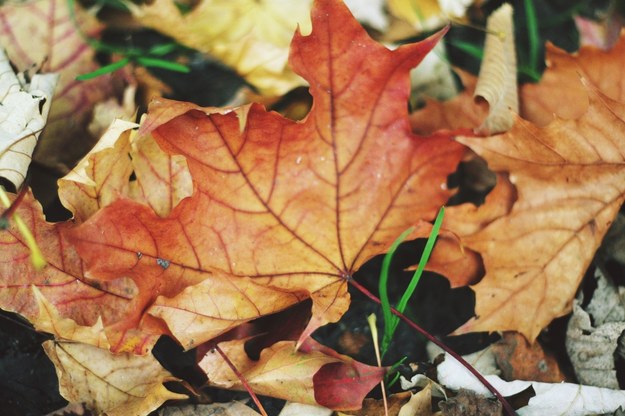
(250, 36)
(561, 93)
(110, 384)
(102, 176)
(281, 210)
(313, 375)
(555, 198)
(40, 34)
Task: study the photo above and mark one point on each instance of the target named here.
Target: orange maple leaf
(281, 210)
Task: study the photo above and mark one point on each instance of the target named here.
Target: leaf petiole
(36, 256)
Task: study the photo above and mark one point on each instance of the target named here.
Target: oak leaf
(281, 210)
(250, 36)
(41, 35)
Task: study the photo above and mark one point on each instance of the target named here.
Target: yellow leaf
(51, 321)
(102, 176)
(250, 36)
(122, 384)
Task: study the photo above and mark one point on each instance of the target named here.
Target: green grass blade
(468, 48)
(104, 70)
(532, 34)
(163, 49)
(383, 289)
(161, 63)
(429, 245)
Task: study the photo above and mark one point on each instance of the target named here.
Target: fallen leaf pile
(236, 231)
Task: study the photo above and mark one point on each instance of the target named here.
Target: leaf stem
(508, 408)
(242, 379)
(36, 256)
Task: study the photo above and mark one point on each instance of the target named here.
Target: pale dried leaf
(562, 399)
(420, 403)
(24, 108)
(591, 344)
(497, 82)
(433, 78)
(313, 375)
(297, 409)
(102, 176)
(122, 384)
(280, 371)
(163, 180)
(426, 15)
(369, 12)
(106, 112)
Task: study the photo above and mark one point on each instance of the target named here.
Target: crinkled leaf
(40, 34)
(103, 176)
(215, 409)
(281, 210)
(550, 399)
(23, 113)
(594, 334)
(250, 36)
(124, 384)
(497, 82)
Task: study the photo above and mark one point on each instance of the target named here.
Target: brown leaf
(537, 241)
(518, 360)
(569, 178)
(561, 92)
(113, 384)
(40, 34)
